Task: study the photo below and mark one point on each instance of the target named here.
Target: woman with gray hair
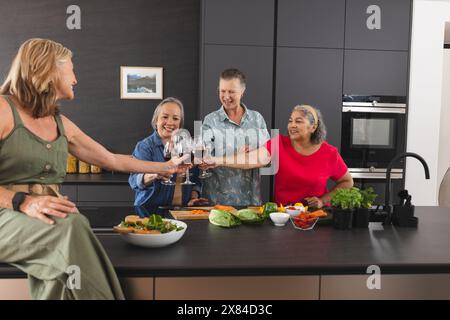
(305, 160)
(151, 191)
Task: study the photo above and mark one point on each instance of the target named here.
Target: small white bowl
(296, 212)
(279, 218)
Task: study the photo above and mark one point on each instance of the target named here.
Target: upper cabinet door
(255, 62)
(378, 24)
(311, 23)
(372, 72)
(239, 22)
(310, 76)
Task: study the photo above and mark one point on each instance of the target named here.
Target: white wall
(425, 93)
(444, 135)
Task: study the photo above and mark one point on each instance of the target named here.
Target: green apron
(64, 260)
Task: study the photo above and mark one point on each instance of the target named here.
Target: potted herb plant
(361, 215)
(344, 202)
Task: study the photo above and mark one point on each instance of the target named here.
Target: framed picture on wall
(141, 82)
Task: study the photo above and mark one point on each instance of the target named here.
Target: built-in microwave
(373, 133)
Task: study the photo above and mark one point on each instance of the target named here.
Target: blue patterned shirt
(156, 194)
(229, 186)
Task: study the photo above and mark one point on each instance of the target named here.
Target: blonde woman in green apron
(41, 232)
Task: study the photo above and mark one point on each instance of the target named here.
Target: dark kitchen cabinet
(394, 32)
(98, 190)
(369, 72)
(324, 49)
(310, 76)
(105, 193)
(238, 22)
(70, 191)
(255, 62)
(306, 23)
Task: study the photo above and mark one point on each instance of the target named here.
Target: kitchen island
(268, 262)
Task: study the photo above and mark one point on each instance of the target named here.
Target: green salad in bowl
(151, 232)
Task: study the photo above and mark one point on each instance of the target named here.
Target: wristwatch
(18, 199)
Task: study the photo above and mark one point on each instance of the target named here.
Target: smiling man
(231, 129)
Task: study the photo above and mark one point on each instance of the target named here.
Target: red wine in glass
(167, 156)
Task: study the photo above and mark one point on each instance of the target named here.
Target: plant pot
(361, 218)
(342, 218)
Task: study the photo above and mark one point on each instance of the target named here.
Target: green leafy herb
(346, 198)
(123, 224)
(156, 222)
(368, 197)
(268, 208)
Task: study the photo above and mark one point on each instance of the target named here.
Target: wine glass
(201, 152)
(167, 156)
(185, 146)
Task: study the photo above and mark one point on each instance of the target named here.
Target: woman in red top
(305, 160)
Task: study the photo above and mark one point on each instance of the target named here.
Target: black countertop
(208, 250)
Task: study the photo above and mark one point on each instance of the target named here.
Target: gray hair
(232, 73)
(320, 134)
(158, 110)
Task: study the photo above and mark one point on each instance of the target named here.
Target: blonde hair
(33, 76)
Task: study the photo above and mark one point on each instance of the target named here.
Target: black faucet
(387, 205)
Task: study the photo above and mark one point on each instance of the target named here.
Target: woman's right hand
(176, 164)
(208, 163)
(41, 207)
(149, 178)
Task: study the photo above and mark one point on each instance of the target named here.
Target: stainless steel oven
(373, 130)
(373, 133)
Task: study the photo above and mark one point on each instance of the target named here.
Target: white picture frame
(141, 82)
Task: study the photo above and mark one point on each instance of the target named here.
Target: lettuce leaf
(250, 216)
(223, 219)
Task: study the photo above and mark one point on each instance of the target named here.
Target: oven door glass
(372, 133)
(372, 139)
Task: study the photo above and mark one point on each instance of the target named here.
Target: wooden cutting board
(188, 215)
(200, 208)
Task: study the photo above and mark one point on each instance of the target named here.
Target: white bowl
(279, 218)
(296, 212)
(156, 240)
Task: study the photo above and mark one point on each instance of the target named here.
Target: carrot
(224, 208)
(318, 214)
(199, 211)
